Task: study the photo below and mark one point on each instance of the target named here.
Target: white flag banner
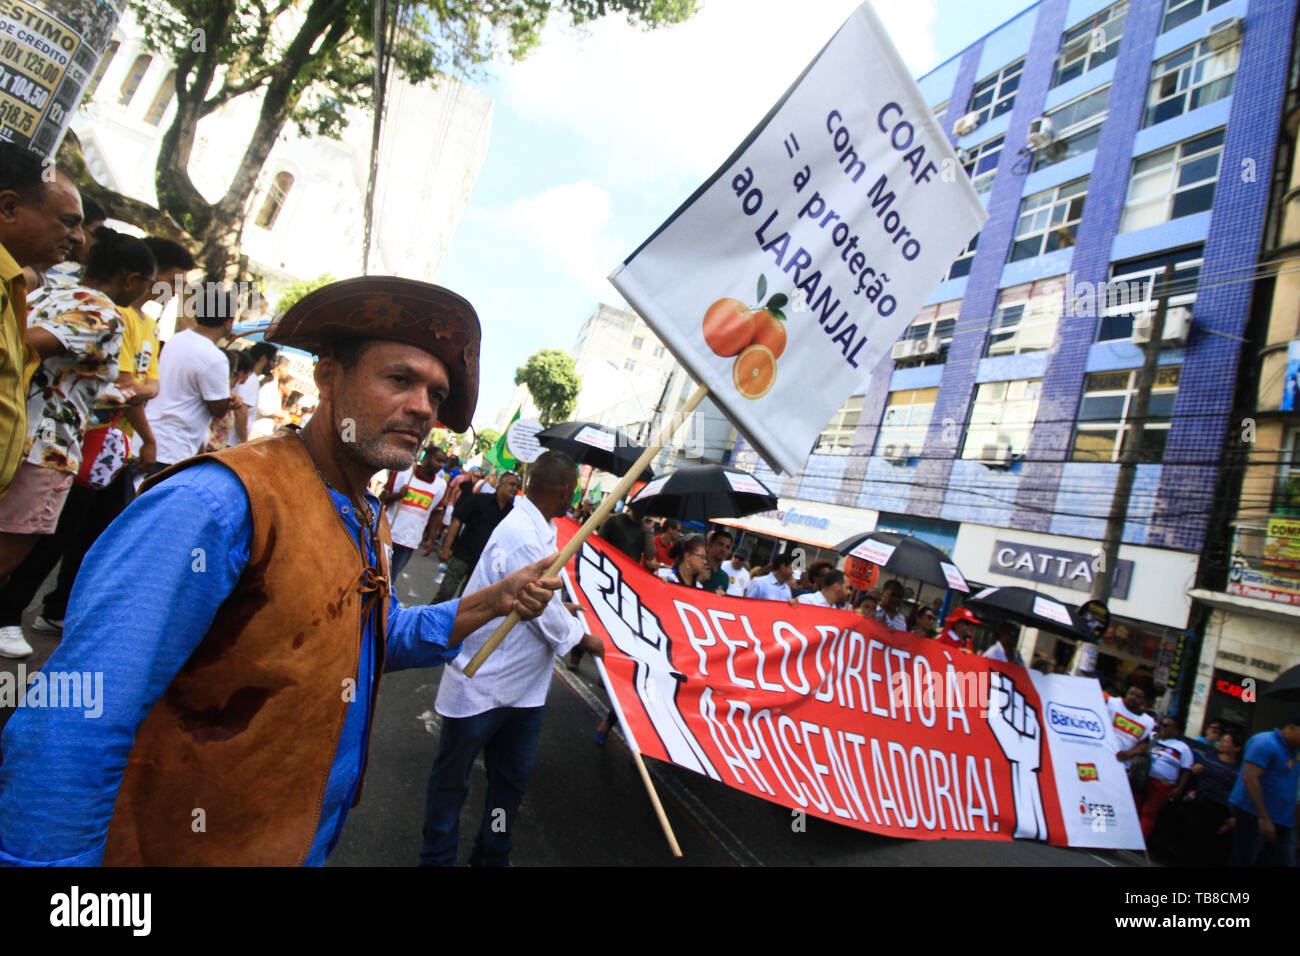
(783, 280)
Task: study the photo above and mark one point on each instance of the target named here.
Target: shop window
(1189, 79)
(1090, 44)
(997, 94)
(162, 99)
(1026, 318)
(1105, 421)
(1136, 285)
(906, 421)
(274, 202)
(1049, 220)
(837, 437)
(965, 259)
(1178, 12)
(981, 163)
(1002, 414)
(100, 70)
(1076, 128)
(134, 76)
(1173, 182)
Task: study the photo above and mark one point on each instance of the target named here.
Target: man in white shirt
(891, 606)
(737, 574)
(249, 390)
(416, 493)
(193, 381)
(1130, 727)
(1171, 772)
(270, 403)
(1004, 648)
(776, 585)
(834, 592)
(499, 711)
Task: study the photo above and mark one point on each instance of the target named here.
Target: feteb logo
(1090, 810)
(1087, 771)
(1070, 721)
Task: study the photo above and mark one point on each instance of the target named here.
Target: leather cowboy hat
(400, 310)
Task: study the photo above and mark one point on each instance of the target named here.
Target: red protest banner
(822, 711)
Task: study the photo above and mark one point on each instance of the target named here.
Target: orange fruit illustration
(769, 331)
(728, 327)
(754, 371)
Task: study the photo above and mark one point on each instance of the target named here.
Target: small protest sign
(782, 281)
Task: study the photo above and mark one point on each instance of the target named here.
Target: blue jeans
(401, 555)
(1246, 842)
(507, 736)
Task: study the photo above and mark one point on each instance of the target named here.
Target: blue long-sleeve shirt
(144, 599)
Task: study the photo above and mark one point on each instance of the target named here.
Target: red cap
(962, 614)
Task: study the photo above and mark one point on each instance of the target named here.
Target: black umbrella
(600, 446)
(1026, 606)
(1287, 686)
(906, 557)
(703, 493)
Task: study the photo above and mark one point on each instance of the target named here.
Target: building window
(274, 202)
(1135, 286)
(934, 323)
(837, 437)
(1173, 182)
(638, 342)
(133, 77)
(1178, 12)
(162, 99)
(1026, 318)
(629, 365)
(940, 112)
(1002, 414)
(1090, 44)
(907, 419)
(1049, 220)
(965, 259)
(100, 70)
(997, 94)
(1076, 127)
(1191, 78)
(981, 163)
(659, 351)
(1104, 422)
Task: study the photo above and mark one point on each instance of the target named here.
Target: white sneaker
(43, 625)
(12, 643)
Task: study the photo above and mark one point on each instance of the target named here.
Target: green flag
(497, 456)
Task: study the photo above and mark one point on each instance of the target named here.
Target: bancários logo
(1075, 721)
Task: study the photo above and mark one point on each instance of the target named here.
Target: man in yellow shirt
(40, 222)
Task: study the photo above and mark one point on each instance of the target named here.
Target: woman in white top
(692, 563)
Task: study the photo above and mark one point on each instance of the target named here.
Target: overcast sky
(601, 134)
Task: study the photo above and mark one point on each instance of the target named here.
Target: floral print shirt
(66, 388)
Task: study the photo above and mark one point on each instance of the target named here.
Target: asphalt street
(585, 804)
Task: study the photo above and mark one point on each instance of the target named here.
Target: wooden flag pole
(640, 763)
(602, 511)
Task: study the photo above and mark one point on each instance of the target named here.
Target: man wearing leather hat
(240, 614)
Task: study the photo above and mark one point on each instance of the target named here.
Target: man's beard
(375, 452)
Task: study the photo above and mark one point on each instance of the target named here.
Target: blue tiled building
(1108, 140)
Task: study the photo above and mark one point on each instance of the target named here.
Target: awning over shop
(807, 522)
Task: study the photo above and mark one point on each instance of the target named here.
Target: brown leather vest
(248, 729)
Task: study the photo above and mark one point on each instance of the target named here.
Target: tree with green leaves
(553, 382)
(294, 291)
(306, 62)
(485, 440)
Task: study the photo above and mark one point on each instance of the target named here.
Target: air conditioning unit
(1040, 132)
(1178, 325)
(897, 454)
(925, 348)
(902, 350)
(967, 124)
(1225, 34)
(997, 455)
(963, 156)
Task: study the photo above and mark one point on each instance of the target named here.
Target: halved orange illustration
(754, 371)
